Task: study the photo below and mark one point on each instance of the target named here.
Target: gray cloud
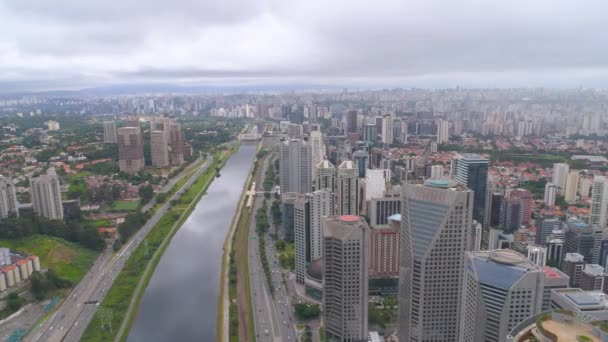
(317, 41)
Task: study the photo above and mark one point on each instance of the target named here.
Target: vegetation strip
(122, 293)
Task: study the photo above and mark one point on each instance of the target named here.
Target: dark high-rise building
(380, 209)
(130, 150)
(583, 239)
(472, 170)
(176, 144)
(370, 133)
(351, 122)
(544, 227)
(361, 159)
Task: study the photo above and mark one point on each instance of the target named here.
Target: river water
(181, 301)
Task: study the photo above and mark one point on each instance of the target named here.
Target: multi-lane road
(72, 317)
(272, 315)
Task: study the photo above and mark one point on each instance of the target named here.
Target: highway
(272, 316)
(70, 320)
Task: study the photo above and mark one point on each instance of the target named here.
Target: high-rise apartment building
(109, 132)
(516, 209)
(375, 183)
(370, 133)
(345, 277)
(130, 150)
(599, 201)
(347, 190)
(550, 192)
(436, 221)
(384, 249)
(443, 134)
(326, 176)
(159, 147)
(317, 150)
(560, 174)
(361, 159)
(8, 198)
(351, 121)
(436, 172)
(176, 144)
(501, 289)
(288, 201)
(571, 187)
(46, 195)
(387, 130)
(295, 166)
(472, 170)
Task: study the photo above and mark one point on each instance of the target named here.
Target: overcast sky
(69, 44)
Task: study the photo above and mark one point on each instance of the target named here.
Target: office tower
(8, 198)
(560, 173)
(176, 144)
(494, 303)
(387, 130)
(351, 122)
(584, 185)
(384, 249)
(599, 201)
(46, 195)
(516, 210)
(361, 159)
(571, 187)
(375, 183)
(345, 277)
(348, 189)
(109, 132)
(370, 133)
(403, 136)
(550, 191)
(443, 134)
(130, 150)
(555, 250)
(436, 172)
(295, 166)
(380, 209)
(573, 265)
(472, 170)
(537, 255)
(583, 239)
(544, 227)
(295, 131)
(321, 207)
(317, 150)
(288, 201)
(436, 220)
(494, 202)
(478, 236)
(593, 278)
(159, 147)
(301, 234)
(553, 279)
(326, 176)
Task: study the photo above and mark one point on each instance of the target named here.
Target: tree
(146, 192)
(14, 302)
(305, 311)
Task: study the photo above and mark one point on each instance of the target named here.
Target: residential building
(443, 134)
(384, 249)
(176, 144)
(326, 176)
(370, 133)
(560, 173)
(46, 195)
(130, 150)
(295, 166)
(159, 147)
(537, 255)
(516, 209)
(317, 150)
(375, 183)
(345, 277)
(361, 159)
(573, 265)
(583, 239)
(348, 189)
(501, 289)
(109, 132)
(387, 130)
(550, 192)
(472, 170)
(599, 201)
(288, 201)
(436, 172)
(9, 205)
(571, 187)
(436, 219)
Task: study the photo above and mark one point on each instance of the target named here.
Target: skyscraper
(502, 289)
(46, 195)
(176, 144)
(599, 201)
(550, 191)
(326, 176)
(560, 173)
(351, 121)
(516, 209)
(472, 170)
(370, 133)
(348, 189)
(8, 198)
(583, 239)
(109, 132)
(345, 277)
(130, 150)
(375, 183)
(571, 187)
(317, 149)
(361, 159)
(387, 130)
(443, 134)
(436, 223)
(159, 147)
(296, 166)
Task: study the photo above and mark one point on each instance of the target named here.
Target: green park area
(121, 206)
(69, 260)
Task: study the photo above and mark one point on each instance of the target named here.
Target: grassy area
(125, 205)
(100, 223)
(123, 288)
(69, 260)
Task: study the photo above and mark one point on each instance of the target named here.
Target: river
(181, 300)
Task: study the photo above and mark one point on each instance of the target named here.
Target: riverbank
(224, 303)
(120, 305)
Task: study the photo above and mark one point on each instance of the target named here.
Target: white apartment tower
(387, 130)
(348, 189)
(560, 174)
(296, 166)
(109, 132)
(571, 187)
(317, 150)
(443, 134)
(46, 195)
(599, 201)
(436, 221)
(8, 198)
(550, 192)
